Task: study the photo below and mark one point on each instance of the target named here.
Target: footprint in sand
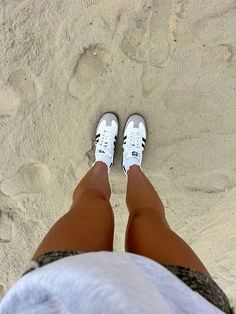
(214, 182)
(133, 44)
(8, 210)
(90, 156)
(88, 3)
(30, 178)
(6, 222)
(9, 103)
(91, 65)
(150, 79)
(160, 34)
(216, 26)
(183, 100)
(118, 185)
(26, 85)
(7, 204)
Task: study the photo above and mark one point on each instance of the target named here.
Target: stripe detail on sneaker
(134, 141)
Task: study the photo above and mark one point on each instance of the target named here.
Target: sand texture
(63, 63)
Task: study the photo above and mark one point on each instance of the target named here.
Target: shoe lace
(134, 141)
(106, 142)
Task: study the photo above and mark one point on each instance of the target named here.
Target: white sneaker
(135, 135)
(106, 135)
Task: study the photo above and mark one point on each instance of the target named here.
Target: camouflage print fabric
(195, 280)
(202, 284)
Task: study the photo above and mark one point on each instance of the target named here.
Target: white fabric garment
(103, 282)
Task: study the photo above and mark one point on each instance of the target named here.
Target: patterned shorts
(195, 280)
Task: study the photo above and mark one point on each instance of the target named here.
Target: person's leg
(148, 232)
(89, 224)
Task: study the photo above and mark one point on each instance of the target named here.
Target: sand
(63, 63)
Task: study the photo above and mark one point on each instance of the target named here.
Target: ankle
(134, 169)
(100, 165)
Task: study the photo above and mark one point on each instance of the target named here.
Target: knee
(145, 204)
(149, 216)
(148, 210)
(82, 192)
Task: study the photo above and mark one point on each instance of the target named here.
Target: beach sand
(64, 63)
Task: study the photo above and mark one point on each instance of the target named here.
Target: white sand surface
(63, 63)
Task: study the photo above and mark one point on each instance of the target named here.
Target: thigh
(148, 235)
(88, 226)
